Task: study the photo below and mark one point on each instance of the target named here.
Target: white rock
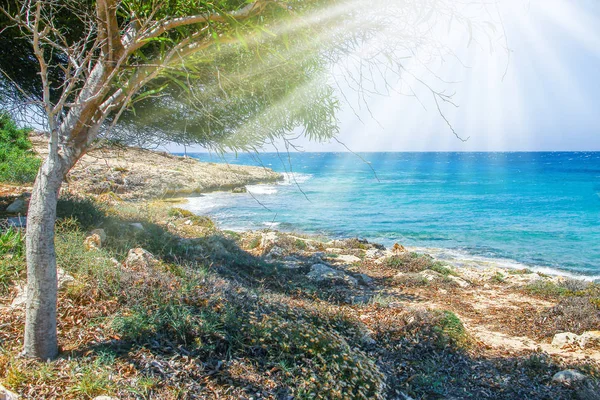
(374, 253)
(568, 377)
(347, 259)
(105, 398)
(590, 339)
(459, 281)
(139, 258)
(565, 339)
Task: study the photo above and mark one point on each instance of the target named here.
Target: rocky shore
(135, 174)
(279, 315)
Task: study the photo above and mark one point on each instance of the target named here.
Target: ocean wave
(261, 189)
(293, 178)
(460, 258)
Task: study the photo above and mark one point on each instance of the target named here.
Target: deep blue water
(538, 209)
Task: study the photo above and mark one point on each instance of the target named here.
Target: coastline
(393, 307)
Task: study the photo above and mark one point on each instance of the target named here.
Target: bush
(12, 258)
(18, 164)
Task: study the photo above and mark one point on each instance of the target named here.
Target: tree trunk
(40, 322)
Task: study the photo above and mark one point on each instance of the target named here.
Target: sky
(542, 95)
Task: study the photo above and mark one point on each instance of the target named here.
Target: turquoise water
(537, 209)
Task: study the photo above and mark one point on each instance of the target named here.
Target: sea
(517, 210)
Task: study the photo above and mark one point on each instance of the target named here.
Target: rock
(21, 298)
(275, 252)
(590, 340)
(137, 226)
(239, 189)
(19, 206)
(374, 253)
(100, 232)
(317, 257)
(568, 377)
(347, 259)
(321, 273)
(268, 239)
(365, 279)
(92, 242)
(105, 398)
(6, 394)
(430, 275)
(459, 281)
(565, 340)
(398, 249)
(139, 258)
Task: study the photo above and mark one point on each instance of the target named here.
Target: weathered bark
(40, 322)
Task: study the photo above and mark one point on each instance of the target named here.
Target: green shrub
(12, 258)
(18, 164)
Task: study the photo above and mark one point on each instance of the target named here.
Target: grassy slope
(209, 319)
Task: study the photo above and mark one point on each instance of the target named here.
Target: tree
(230, 73)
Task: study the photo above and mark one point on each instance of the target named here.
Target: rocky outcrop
(323, 273)
(134, 174)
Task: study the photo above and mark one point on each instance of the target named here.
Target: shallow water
(537, 209)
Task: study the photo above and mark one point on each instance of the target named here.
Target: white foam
(460, 258)
(293, 178)
(271, 224)
(261, 189)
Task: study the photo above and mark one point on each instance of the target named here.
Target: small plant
(254, 242)
(12, 258)
(300, 244)
(498, 277)
(180, 213)
(18, 164)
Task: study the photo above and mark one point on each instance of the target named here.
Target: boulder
(19, 206)
(323, 273)
(139, 258)
(239, 189)
(565, 340)
(568, 377)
